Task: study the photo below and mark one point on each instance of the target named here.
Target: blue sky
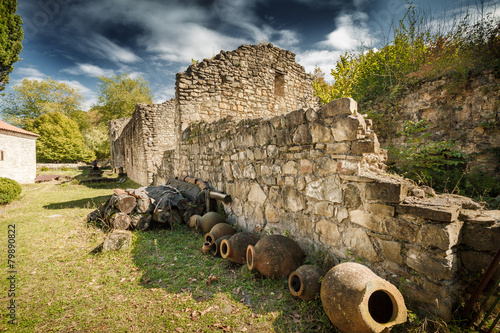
(77, 41)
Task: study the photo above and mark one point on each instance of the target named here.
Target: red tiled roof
(6, 127)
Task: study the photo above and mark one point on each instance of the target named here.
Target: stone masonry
(138, 143)
(252, 81)
(317, 175)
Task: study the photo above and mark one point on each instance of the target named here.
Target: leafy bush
(9, 190)
(60, 140)
(434, 163)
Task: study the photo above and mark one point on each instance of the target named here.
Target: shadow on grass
(93, 202)
(172, 260)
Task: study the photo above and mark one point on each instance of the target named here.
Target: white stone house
(17, 153)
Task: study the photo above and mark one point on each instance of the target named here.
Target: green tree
(11, 36)
(60, 140)
(32, 98)
(119, 94)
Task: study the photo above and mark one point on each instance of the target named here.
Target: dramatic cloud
(104, 48)
(89, 70)
(352, 31)
(29, 73)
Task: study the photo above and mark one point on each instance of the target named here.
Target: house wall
(19, 157)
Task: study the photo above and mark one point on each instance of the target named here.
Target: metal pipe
(482, 284)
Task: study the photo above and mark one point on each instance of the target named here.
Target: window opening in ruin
(279, 84)
(1, 155)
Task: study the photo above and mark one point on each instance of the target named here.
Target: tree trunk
(124, 203)
(120, 221)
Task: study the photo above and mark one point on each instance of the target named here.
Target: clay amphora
(193, 220)
(206, 247)
(275, 256)
(358, 301)
(305, 282)
(207, 221)
(219, 230)
(216, 245)
(235, 247)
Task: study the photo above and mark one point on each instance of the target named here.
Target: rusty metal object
(235, 247)
(482, 284)
(275, 256)
(226, 198)
(219, 230)
(305, 282)
(357, 300)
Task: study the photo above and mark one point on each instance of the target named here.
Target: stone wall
(469, 116)
(318, 176)
(250, 82)
(18, 156)
(138, 143)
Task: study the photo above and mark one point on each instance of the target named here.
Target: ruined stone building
(250, 82)
(247, 123)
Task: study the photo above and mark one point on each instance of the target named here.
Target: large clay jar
(207, 221)
(219, 230)
(358, 301)
(216, 245)
(275, 256)
(305, 282)
(235, 247)
(193, 221)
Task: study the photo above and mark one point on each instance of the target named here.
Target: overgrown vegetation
(419, 52)
(9, 190)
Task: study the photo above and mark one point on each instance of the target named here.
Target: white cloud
(29, 73)
(104, 48)
(351, 31)
(288, 39)
(89, 70)
(323, 59)
(90, 96)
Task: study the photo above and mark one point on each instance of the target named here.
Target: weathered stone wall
(138, 143)
(117, 144)
(469, 116)
(19, 156)
(250, 82)
(318, 176)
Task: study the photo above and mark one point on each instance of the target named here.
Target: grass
(162, 283)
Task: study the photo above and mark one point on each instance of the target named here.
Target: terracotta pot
(207, 221)
(219, 230)
(305, 282)
(275, 256)
(193, 221)
(235, 247)
(216, 245)
(357, 300)
(206, 247)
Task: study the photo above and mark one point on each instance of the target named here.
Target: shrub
(9, 190)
